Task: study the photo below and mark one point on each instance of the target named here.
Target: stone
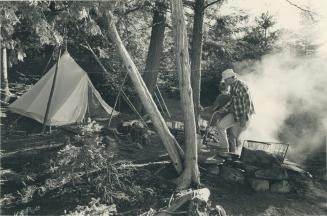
(250, 169)
(280, 187)
(234, 175)
(205, 154)
(259, 185)
(258, 158)
(275, 173)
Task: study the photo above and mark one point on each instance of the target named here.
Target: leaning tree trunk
(191, 170)
(196, 54)
(174, 151)
(155, 48)
(4, 74)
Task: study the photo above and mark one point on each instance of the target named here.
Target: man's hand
(204, 109)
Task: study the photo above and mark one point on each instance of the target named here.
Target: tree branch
(309, 12)
(211, 3)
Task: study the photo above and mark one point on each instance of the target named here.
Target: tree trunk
(4, 75)
(159, 123)
(191, 170)
(196, 54)
(155, 49)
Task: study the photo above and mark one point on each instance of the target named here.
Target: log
(32, 149)
(174, 150)
(200, 194)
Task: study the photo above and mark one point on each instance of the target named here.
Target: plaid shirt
(240, 104)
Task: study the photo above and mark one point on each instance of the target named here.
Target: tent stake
(51, 93)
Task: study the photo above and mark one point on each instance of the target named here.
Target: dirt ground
(236, 199)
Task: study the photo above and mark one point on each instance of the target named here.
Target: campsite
(161, 107)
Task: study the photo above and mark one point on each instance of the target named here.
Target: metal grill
(279, 150)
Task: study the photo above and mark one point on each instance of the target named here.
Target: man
(238, 111)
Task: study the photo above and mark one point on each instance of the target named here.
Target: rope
(163, 101)
(134, 109)
(66, 37)
(122, 91)
(116, 101)
(47, 65)
(159, 102)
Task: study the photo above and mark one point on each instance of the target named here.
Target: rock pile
(261, 170)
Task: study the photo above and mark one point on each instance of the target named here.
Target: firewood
(200, 194)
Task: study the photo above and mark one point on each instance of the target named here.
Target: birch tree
(191, 170)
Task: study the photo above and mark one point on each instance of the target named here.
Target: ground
(236, 199)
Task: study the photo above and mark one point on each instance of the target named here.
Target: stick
(202, 194)
(47, 146)
(208, 127)
(163, 101)
(116, 101)
(51, 93)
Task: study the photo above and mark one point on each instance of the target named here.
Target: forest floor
(235, 199)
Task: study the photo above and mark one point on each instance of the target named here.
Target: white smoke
(289, 90)
(283, 85)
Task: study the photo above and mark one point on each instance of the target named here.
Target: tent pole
(46, 66)
(51, 93)
(116, 101)
(126, 99)
(129, 102)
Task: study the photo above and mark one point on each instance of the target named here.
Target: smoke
(290, 98)
(289, 89)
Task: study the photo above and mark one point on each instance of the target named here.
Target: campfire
(261, 165)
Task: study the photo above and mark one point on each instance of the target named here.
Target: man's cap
(227, 74)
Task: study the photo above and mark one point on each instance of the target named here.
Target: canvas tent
(74, 96)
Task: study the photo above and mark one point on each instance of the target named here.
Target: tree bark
(159, 123)
(191, 170)
(196, 55)
(155, 48)
(4, 75)
(152, 66)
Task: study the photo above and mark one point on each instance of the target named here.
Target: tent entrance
(97, 108)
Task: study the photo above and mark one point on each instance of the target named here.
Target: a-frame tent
(74, 96)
